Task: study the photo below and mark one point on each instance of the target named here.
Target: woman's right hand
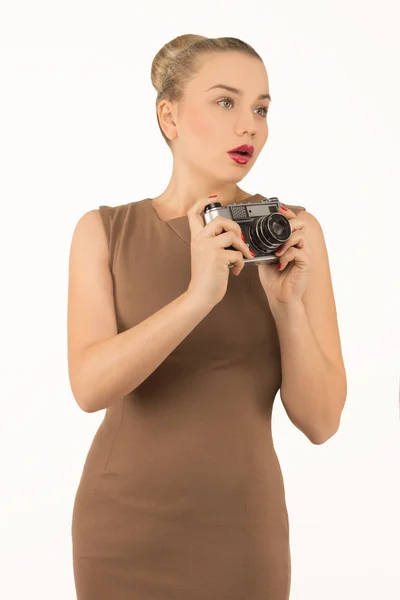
(210, 259)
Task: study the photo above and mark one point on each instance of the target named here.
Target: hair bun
(166, 55)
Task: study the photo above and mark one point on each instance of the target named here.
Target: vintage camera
(264, 228)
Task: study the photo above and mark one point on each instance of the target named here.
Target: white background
(78, 129)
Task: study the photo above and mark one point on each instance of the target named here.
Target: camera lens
(276, 228)
(269, 232)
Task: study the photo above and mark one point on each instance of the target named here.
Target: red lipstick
(241, 154)
(245, 149)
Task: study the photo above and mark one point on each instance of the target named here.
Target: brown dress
(181, 496)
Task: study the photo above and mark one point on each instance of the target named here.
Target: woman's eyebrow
(236, 91)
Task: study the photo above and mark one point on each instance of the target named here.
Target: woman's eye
(229, 100)
(226, 100)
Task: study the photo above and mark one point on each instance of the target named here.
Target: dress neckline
(153, 208)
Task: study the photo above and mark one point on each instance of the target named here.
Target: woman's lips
(241, 159)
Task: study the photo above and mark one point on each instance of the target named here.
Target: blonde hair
(175, 64)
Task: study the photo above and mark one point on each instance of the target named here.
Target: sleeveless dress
(181, 496)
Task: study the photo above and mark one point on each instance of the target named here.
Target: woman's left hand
(288, 284)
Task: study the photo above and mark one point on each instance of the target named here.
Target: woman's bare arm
(105, 365)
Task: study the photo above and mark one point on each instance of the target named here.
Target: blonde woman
(186, 346)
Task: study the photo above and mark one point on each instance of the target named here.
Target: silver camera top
(241, 211)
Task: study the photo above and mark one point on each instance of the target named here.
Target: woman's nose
(246, 125)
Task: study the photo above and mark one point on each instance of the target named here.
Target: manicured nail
(283, 208)
(279, 265)
(252, 253)
(215, 195)
(243, 238)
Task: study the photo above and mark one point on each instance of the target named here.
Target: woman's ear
(166, 118)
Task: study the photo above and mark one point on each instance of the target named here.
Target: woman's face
(210, 122)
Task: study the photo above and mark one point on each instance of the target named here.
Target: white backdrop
(78, 129)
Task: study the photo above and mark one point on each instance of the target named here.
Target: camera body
(264, 227)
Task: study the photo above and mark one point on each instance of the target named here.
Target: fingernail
(252, 253)
(215, 195)
(279, 265)
(243, 238)
(283, 208)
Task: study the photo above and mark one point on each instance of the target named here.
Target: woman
(182, 496)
